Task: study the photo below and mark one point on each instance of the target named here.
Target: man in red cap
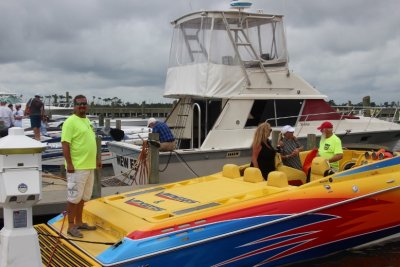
(330, 146)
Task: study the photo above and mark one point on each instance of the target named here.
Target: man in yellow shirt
(330, 146)
(80, 152)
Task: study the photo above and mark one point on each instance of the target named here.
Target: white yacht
(229, 70)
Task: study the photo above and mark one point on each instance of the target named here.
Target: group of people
(9, 117)
(13, 118)
(81, 158)
(263, 153)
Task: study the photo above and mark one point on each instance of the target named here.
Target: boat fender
(383, 154)
(117, 134)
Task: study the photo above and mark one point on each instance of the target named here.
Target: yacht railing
(390, 114)
(375, 113)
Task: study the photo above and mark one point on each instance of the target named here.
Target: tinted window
(277, 112)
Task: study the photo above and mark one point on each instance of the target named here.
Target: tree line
(100, 102)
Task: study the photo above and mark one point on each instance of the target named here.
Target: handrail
(342, 114)
(199, 127)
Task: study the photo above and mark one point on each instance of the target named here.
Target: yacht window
(190, 42)
(276, 112)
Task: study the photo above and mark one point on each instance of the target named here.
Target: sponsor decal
(140, 204)
(175, 197)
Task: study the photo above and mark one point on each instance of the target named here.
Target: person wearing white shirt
(6, 118)
(18, 115)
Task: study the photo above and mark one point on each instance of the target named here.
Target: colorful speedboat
(235, 218)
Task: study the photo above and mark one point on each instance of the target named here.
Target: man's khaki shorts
(80, 185)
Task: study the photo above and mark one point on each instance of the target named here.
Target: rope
(141, 165)
(166, 165)
(181, 159)
(58, 240)
(77, 240)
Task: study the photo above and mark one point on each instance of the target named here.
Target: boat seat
(277, 179)
(295, 176)
(253, 175)
(231, 171)
(319, 168)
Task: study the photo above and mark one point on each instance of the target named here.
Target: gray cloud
(347, 49)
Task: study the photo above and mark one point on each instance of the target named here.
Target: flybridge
(217, 53)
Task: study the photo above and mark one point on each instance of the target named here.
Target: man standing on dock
(80, 152)
(167, 139)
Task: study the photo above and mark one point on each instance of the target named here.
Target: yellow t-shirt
(79, 133)
(329, 147)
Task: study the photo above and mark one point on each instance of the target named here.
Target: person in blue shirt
(167, 139)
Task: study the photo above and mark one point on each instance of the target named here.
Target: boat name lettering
(126, 162)
(304, 124)
(143, 205)
(175, 197)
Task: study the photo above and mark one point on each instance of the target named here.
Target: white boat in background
(229, 70)
(53, 155)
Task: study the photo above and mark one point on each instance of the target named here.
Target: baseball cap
(150, 121)
(38, 95)
(287, 128)
(325, 125)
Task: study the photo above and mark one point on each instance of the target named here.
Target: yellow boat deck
(165, 208)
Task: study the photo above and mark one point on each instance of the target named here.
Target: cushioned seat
(319, 168)
(277, 179)
(253, 175)
(231, 171)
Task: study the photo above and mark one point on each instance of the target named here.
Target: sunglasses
(81, 104)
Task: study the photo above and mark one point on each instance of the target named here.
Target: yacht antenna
(190, 5)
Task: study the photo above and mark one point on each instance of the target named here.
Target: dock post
(366, 106)
(154, 176)
(274, 138)
(97, 172)
(311, 141)
(101, 120)
(118, 124)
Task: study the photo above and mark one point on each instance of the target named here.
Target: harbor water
(381, 255)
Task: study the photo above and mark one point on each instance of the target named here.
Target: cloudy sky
(106, 48)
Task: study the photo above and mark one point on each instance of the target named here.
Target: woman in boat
(263, 154)
(290, 148)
